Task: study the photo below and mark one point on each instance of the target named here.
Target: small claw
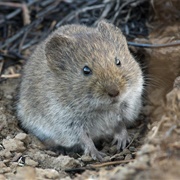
(121, 136)
(99, 156)
(122, 141)
(114, 142)
(90, 149)
(95, 154)
(121, 144)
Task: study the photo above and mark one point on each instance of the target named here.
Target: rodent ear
(108, 30)
(55, 49)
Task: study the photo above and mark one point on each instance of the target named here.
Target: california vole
(81, 85)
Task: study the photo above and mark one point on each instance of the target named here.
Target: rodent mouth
(114, 101)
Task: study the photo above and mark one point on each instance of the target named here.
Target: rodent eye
(87, 70)
(117, 61)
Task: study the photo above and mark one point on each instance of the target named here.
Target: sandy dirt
(23, 155)
(154, 152)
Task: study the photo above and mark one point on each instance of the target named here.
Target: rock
(5, 170)
(113, 149)
(5, 153)
(8, 96)
(30, 162)
(2, 165)
(21, 136)
(16, 157)
(51, 153)
(128, 157)
(24, 173)
(146, 148)
(13, 145)
(67, 178)
(117, 157)
(125, 152)
(64, 162)
(105, 149)
(3, 121)
(132, 149)
(47, 173)
(107, 158)
(2, 177)
(86, 158)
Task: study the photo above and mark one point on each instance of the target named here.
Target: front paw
(121, 139)
(89, 147)
(94, 153)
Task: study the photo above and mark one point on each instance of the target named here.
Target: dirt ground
(154, 150)
(22, 153)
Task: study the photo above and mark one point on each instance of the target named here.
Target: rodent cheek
(95, 89)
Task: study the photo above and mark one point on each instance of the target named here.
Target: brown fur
(59, 103)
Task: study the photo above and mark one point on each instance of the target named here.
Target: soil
(154, 150)
(23, 154)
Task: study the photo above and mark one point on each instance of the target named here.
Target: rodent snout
(112, 91)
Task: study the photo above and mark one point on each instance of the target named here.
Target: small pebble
(21, 136)
(5, 153)
(120, 158)
(30, 162)
(132, 149)
(51, 153)
(125, 151)
(16, 157)
(25, 173)
(86, 158)
(8, 96)
(2, 165)
(105, 149)
(107, 158)
(128, 157)
(113, 150)
(6, 161)
(64, 162)
(13, 145)
(2, 177)
(147, 148)
(5, 170)
(117, 157)
(47, 173)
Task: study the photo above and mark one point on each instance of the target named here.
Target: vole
(80, 85)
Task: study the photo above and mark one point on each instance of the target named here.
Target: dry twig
(110, 163)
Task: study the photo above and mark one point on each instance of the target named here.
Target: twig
(22, 31)
(168, 133)
(157, 128)
(26, 17)
(9, 76)
(134, 137)
(110, 163)
(75, 13)
(177, 43)
(105, 12)
(1, 66)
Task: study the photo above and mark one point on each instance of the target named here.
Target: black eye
(117, 62)
(87, 70)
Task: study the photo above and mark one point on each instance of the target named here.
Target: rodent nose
(112, 92)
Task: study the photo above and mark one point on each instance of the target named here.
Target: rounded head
(93, 66)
